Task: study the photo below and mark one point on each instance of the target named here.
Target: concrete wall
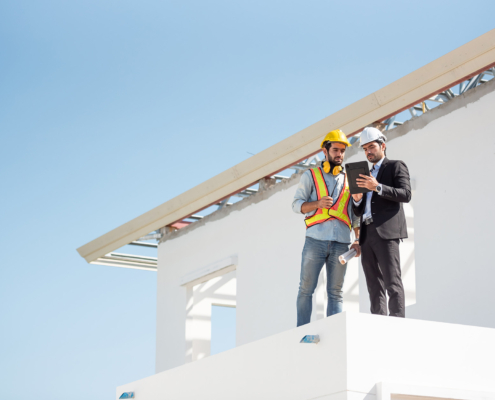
(449, 152)
(359, 357)
(451, 158)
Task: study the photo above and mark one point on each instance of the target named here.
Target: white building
(229, 258)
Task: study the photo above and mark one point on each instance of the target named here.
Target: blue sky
(110, 108)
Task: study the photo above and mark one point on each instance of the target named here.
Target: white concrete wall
(449, 152)
(385, 349)
(451, 160)
(359, 357)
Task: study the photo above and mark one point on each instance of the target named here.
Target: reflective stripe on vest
(339, 209)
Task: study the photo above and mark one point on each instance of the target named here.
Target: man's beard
(375, 158)
(332, 161)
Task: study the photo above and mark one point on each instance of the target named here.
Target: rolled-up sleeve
(303, 193)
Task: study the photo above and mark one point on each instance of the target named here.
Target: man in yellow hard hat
(323, 197)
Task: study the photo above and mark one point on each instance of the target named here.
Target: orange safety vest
(338, 209)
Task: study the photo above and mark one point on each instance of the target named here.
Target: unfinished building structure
(443, 349)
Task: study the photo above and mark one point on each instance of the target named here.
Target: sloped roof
(446, 71)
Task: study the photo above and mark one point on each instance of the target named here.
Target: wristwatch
(379, 188)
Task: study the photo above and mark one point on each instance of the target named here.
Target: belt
(368, 221)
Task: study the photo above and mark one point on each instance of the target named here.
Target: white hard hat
(370, 135)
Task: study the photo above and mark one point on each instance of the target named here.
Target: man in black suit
(383, 224)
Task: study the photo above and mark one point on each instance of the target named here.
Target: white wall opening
(212, 295)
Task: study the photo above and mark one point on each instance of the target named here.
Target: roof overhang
(446, 71)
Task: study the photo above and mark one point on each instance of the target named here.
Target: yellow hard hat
(336, 136)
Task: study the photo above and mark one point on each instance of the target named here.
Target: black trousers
(381, 265)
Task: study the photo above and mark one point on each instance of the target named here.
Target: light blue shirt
(334, 229)
(374, 174)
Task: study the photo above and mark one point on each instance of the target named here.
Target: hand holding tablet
(353, 171)
(367, 182)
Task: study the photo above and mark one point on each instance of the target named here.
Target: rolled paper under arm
(344, 258)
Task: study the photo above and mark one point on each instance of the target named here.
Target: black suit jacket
(386, 209)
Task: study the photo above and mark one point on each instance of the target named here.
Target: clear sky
(110, 108)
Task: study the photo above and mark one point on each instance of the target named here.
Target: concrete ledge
(356, 354)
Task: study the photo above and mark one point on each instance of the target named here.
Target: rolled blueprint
(347, 256)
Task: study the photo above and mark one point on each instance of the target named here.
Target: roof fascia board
(444, 72)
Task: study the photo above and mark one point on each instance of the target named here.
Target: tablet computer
(353, 170)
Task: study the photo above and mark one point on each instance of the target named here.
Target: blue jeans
(315, 254)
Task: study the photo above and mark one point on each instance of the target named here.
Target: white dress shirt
(374, 174)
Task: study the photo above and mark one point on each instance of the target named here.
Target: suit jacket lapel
(382, 167)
